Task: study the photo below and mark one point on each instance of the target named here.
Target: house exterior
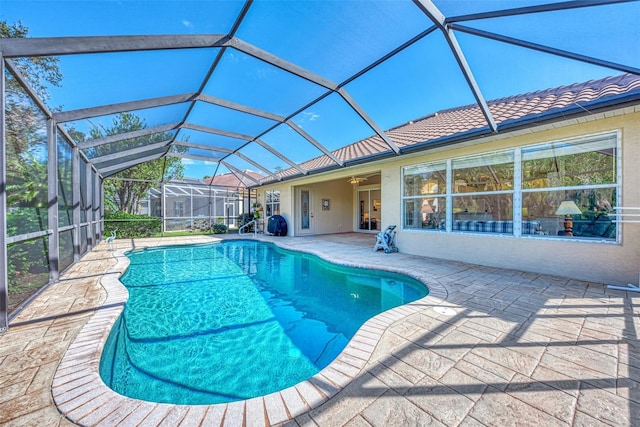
(460, 192)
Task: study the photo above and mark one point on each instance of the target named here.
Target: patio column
(98, 202)
(210, 209)
(77, 228)
(88, 205)
(162, 207)
(52, 171)
(4, 285)
(100, 185)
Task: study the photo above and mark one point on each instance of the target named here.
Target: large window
(425, 188)
(563, 189)
(272, 202)
(579, 175)
(483, 190)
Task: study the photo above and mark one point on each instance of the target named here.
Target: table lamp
(568, 208)
(426, 208)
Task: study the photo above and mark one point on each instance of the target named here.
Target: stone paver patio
(488, 347)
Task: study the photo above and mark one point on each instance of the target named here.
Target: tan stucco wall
(601, 262)
(615, 263)
(338, 219)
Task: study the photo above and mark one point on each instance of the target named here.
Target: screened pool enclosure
(262, 91)
(192, 205)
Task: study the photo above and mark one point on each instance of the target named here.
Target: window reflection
(582, 172)
(550, 174)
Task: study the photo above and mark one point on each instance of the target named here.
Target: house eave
(573, 111)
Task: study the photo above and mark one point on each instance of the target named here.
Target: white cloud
(186, 161)
(187, 24)
(231, 57)
(262, 73)
(311, 116)
(307, 116)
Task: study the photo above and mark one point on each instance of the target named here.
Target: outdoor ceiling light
(355, 180)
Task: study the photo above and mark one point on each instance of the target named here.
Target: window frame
(517, 191)
(270, 204)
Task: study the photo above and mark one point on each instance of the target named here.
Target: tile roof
(231, 181)
(509, 113)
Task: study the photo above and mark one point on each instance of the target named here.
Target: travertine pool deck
(488, 347)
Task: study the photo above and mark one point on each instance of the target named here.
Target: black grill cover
(277, 225)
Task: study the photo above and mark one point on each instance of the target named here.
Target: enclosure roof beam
(257, 165)
(429, 9)
(551, 7)
(278, 62)
(115, 172)
(107, 163)
(122, 154)
(170, 191)
(280, 156)
(239, 107)
(547, 49)
(128, 135)
(238, 171)
(215, 172)
(214, 65)
(193, 157)
(183, 192)
(389, 55)
(103, 110)
(57, 46)
(352, 103)
(15, 71)
(71, 141)
(68, 137)
(315, 143)
(217, 131)
(115, 178)
(109, 170)
(202, 147)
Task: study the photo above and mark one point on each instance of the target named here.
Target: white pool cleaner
(386, 240)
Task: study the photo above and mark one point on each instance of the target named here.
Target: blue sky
(330, 38)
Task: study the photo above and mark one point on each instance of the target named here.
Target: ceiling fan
(356, 180)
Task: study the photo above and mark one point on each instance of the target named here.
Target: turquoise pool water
(229, 321)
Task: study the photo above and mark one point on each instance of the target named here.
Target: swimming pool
(224, 322)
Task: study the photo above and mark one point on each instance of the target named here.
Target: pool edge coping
(83, 398)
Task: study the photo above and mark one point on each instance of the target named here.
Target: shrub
(130, 225)
(31, 256)
(219, 228)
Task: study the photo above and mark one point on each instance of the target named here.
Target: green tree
(124, 195)
(39, 71)
(26, 168)
(23, 117)
(25, 129)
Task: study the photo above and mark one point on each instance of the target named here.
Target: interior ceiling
(285, 82)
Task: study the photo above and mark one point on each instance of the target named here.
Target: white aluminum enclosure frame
(102, 166)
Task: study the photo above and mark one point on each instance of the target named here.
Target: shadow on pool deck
(501, 347)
